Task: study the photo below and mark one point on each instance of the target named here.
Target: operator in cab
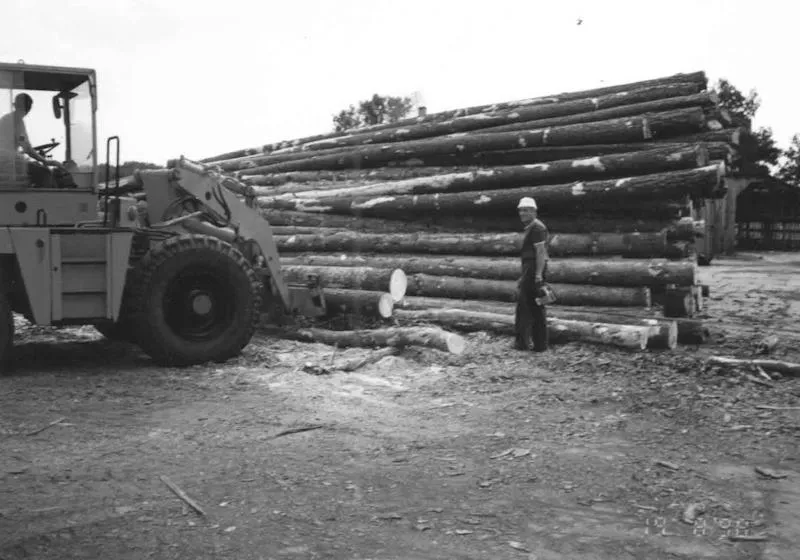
(531, 315)
(14, 135)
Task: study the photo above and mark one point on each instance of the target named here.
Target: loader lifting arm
(219, 199)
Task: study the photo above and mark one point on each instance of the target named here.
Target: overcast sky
(180, 77)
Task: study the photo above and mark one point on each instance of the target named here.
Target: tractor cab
(60, 125)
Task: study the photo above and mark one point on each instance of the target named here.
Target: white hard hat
(527, 202)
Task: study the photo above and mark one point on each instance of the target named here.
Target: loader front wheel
(6, 333)
(197, 300)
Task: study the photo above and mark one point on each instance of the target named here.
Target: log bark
(784, 368)
(703, 182)
(567, 271)
(362, 302)
(633, 245)
(297, 180)
(686, 229)
(560, 171)
(503, 290)
(525, 116)
(701, 99)
(641, 245)
(629, 129)
(397, 337)
(347, 223)
(393, 281)
(732, 136)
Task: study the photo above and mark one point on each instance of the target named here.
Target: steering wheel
(45, 149)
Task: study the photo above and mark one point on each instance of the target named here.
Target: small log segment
(361, 302)
(397, 337)
(560, 330)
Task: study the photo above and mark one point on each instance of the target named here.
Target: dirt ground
(580, 453)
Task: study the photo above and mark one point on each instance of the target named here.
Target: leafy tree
(789, 170)
(742, 109)
(377, 110)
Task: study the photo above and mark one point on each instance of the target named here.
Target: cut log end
(398, 284)
(386, 305)
(455, 343)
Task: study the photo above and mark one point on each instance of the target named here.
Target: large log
(603, 272)
(685, 229)
(629, 129)
(690, 331)
(398, 337)
(473, 224)
(362, 302)
(560, 171)
(657, 335)
(643, 245)
(297, 180)
(389, 280)
(560, 330)
(528, 116)
(698, 78)
(701, 99)
(503, 290)
(703, 182)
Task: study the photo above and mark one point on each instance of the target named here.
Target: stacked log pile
(616, 172)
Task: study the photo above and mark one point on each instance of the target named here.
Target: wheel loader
(178, 260)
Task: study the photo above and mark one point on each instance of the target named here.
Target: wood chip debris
(769, 473)
(768, 407)
(518, 546)
(515, 452)
(301, 429)
(667, 464)
(182, 495)
(48, 426)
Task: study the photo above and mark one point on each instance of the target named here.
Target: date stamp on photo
(713, 527)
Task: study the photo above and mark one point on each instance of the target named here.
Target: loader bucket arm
(219, 193)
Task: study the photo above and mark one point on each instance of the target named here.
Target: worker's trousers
(530, 321)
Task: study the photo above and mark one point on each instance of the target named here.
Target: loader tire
(196, 299)
(6, 333)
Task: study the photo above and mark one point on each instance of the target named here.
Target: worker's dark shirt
(536, 232)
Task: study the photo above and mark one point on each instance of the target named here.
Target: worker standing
(531, 315)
